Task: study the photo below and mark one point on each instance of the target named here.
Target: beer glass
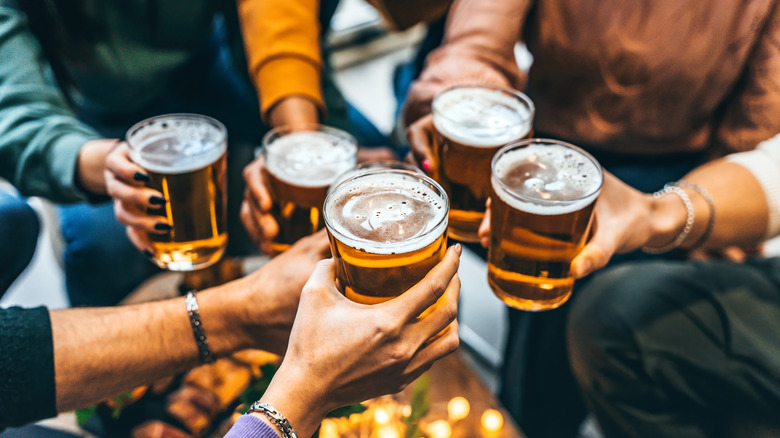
(301, 165)
(184, 155)
(543, 193)
(387, 229)
(472, 123)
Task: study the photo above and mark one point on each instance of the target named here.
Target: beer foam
(309, 158)
(546, 179)
(171, 152)
(386, 213)
(481, 117)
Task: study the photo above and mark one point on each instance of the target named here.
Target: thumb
(593, 257)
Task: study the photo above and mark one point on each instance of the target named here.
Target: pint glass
(387, 229)
(472, 123)
(301, 165)
(543, 193)
(184, 154)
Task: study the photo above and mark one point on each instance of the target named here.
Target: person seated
(19, 229)
(336, 352)
(684, 348)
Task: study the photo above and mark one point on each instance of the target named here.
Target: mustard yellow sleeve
(282, 41)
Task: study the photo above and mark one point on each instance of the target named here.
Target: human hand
(623, 223)
(484, 226)
(125, 182)
(273, 291)
(256, 207)
(342, 352)
(421, 137)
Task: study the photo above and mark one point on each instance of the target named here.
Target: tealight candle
(492, 420)
(458, 408)
(440, 429)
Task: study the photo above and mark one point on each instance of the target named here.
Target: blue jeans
(19, 228)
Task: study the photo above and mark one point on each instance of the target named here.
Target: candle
(458, 408)
(492, 420)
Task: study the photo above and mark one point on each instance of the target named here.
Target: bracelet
(669, 188)
(275, 417)
(197, 328)
(706, 196)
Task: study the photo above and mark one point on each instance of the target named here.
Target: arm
(745, 192)
(41, 141)
(341, 352)
(752, 114)
(283, 50)
(119, 348)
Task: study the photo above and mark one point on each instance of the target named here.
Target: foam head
(387, 211)
(546, 177)
(310, 158)
(481, 116)
(176, 143)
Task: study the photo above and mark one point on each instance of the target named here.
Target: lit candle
(458, 408)
(492, 420)
(440, 429)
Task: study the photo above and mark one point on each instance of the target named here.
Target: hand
(91, 164)
(484, 226)
(343, 352)
(623, 219)
(420, 135)
(132, 200)
(256, 208)
(273, 291)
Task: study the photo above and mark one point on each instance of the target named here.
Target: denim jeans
(19, 228)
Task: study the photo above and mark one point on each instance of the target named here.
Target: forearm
(294, 110)
(117, 349)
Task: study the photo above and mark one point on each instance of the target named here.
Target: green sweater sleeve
(40, 137)
(27, 386)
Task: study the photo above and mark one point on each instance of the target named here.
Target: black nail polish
(156, 200)
(142, 177)
(155, 211)
(159, 226)
(148, 254)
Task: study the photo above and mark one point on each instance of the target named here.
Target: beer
(185, 157)
(387, 230)
(300, 166)
(472, 123)
(543, 193)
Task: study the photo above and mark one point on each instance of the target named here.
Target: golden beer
(472, 124)
(301, 165)
(387, 230)
(185, 157)
(543, 194)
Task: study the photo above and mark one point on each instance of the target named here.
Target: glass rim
(222, 130)
(545, 141)
(522, 97)
(282, 130)
(408, 173)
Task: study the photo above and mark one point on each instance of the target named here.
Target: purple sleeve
(249, 426)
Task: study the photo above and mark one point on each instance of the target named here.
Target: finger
(442, 314)
(484, 226)
(141, 196)
(250, 224)
(420, 139)
(413, 302)
(130, 216)
(322, 279)
(118, 162)
(257, 184)
(140, 241)
(316, 244)
(444, 344)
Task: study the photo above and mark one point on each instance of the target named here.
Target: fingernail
(160, 226)
(427, 165)
(458, 248)
(148, 254)
(142, 177)
(156, 200)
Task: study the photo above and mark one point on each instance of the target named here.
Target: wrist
(667, 220)
(294, 111)
(91, 165)
(296, 396)
(224, 317)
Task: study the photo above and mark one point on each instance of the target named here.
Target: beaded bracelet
(197, 328)
(706, 196)
(275, 417)
(691, 215)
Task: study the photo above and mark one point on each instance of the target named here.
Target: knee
(19, 229)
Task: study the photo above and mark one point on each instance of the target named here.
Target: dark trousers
(680, 349)
(19, 228)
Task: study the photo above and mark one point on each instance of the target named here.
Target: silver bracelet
(197, 328)
(707, 198)
(275, 417)
(670, 188)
